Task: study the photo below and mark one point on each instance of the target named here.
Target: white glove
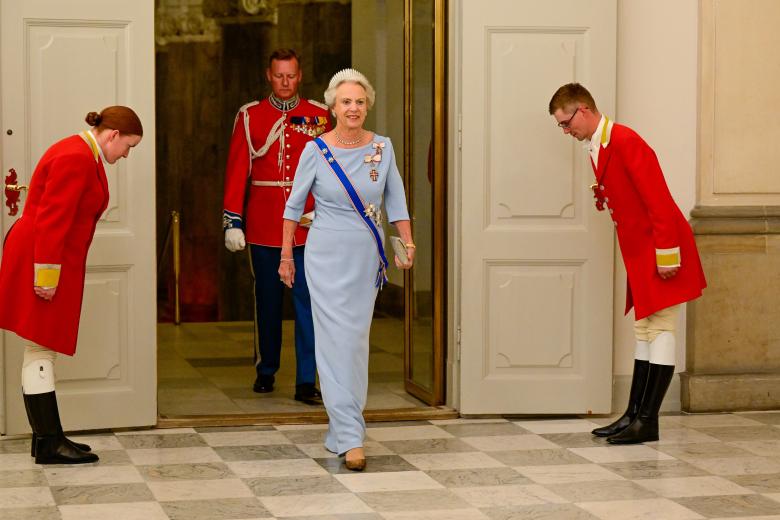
(234, 240)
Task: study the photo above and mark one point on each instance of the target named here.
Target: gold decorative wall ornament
(254, 6)
(184, 23)
(242, 11)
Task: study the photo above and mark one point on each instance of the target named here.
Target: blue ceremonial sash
(360, 208)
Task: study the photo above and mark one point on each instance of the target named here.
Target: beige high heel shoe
(357, 462)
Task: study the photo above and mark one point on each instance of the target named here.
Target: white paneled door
(61, 60)
(537, 259)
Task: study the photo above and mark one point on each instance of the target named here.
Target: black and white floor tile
(705, 466)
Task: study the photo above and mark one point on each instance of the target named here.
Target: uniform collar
(97, 151)
(602, 134)
(285, 105)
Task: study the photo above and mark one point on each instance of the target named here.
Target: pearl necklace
(348, 143)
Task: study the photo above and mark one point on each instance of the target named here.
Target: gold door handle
(12, 192)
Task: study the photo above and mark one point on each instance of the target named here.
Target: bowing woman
(351, 172)
(44, 263)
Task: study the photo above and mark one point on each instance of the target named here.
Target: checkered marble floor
(705, 466)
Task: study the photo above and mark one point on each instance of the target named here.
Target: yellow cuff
(47, 275)
(667, 257)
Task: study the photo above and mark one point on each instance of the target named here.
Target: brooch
(374, 214)
(374, 159)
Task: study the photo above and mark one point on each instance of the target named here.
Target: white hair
(348, 76)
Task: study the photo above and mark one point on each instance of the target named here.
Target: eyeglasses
(567, 123)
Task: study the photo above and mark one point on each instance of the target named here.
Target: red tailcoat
(264, 205)
(68, 194)
(648, 222)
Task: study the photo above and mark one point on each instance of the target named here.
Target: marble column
(733, 331)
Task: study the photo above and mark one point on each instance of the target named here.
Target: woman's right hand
(287, 271)
(45, 293)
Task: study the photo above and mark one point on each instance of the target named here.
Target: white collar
(595, 139)
(600, 138)
(88, 135)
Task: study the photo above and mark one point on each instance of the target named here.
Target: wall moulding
(737, 155)
(735, 220)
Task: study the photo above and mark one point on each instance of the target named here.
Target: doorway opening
(210, 60)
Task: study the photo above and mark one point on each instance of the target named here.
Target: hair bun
(93, 119)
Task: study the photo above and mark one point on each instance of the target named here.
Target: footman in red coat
(44, 264)
(657, 245)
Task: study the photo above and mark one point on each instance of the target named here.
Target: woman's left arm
(395, 205)
(404, 228)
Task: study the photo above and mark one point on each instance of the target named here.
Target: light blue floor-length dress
(341, 262)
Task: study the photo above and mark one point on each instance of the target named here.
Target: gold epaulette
(318, 104)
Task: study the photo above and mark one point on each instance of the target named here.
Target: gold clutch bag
(307, 219)
(400, 249)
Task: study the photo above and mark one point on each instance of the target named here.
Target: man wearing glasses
(658, 248)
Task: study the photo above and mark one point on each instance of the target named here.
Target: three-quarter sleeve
(395, 195)
(304, 178)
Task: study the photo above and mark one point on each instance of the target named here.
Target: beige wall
(739, 73)
(657, 96)
(734, 338)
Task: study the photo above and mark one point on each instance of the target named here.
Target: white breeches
(38, 369)
(642, 350)
(657, 333)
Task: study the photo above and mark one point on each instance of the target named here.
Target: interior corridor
(207, 369)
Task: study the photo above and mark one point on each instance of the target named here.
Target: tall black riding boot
(50, 444)
(32, 423)
(638, 384)
(79, 445)
(645, 427)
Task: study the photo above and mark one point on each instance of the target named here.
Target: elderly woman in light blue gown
(345, 264)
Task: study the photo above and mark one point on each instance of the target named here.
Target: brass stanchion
(176, 264)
